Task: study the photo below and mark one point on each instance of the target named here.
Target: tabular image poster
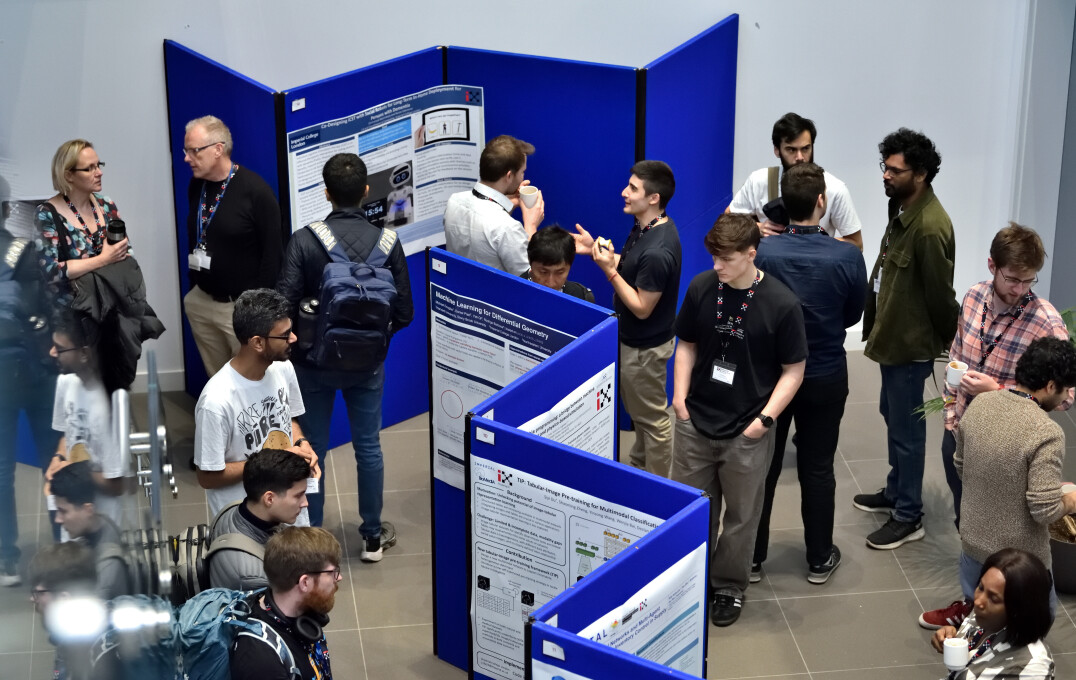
(529, 535)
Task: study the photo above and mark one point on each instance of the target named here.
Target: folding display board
(198, 86)
(544, 516)
(648, 604)
(690, 105)
(580, 117)
(462, 292)
(557, 654)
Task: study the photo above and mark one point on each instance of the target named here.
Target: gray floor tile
(759, 644)
(862, 569)
(41, 665)
(931, 562)
(930, 671)
(865, 380)
(881, 624)
(346, 653)
(862, 432)
(16, 666)
(1065, 665)
(403, 653)
(393, 592)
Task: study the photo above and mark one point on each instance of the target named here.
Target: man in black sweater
(234, 237)
(305, 260)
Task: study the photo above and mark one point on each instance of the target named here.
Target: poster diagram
(418, 149)
(477, 348)
(583, 419)
(665, 620)
(527, 534)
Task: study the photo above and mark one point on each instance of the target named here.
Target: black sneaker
(373, 547)
(819, 574)
(756, 572)
(873, 502)
(895, 533)
(725, 610)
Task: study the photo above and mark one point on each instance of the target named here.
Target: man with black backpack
(348, 284)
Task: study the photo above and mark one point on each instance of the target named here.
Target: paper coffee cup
(1068, 487)
(955, 653)
(529, 195)
(954, 371)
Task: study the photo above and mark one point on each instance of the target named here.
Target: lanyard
(203, 218)
(637, 232)
(93, 208)
(487, 198)
(1025, 395)
(815, 229)
(980, 644)
(733, 326)
(987, 346)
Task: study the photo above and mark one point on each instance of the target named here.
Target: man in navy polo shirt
(829, 277)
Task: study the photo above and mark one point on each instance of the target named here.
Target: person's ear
(367, 192)
(991, 266)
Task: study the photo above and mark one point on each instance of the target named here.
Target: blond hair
(216, 130)
(64, 160)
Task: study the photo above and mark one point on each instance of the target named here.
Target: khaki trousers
(642, 388)
(211, 325)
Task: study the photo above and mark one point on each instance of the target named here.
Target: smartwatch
(766, 420)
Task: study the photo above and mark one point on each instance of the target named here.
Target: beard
(320, 602)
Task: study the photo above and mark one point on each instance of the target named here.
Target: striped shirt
(1038, 319)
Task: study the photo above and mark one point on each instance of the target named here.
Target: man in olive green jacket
(910, 317)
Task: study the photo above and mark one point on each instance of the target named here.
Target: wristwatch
(300, 440)
(766, 420)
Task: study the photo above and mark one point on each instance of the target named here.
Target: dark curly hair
(1045, 359)
(919, 152)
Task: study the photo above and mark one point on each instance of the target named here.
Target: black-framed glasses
(61, 350)
(200, 149)
(1012, 280)
(286, 336)
(337, 575)
(36, 593)
(891, 170)
(100, 165)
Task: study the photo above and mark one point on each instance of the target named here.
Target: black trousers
(817, 410)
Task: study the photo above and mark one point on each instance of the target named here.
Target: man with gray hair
(235, 239)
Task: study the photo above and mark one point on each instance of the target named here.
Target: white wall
(959, 71)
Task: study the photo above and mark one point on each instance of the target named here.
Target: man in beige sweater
(1009, 454)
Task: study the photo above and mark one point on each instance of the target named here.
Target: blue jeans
(902, 393)
(31, 388)
(362, 394)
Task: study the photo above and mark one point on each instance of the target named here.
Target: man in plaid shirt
(998, 320)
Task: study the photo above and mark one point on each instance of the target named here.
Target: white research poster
(418, 149)
(543, 671)
(477, 348)
(665, 620)
(583, 419)
(531, 539)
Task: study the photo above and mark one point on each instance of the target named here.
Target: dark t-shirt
(652, 264)
(773, 335)
(255, 660)
(244, 238)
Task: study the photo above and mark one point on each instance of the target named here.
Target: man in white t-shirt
(251, 403)
(82, 411)
(793, 142)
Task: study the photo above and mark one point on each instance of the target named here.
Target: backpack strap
(14, 253)
(270, 637)
(773, 178)
(380, 254)
(240, 542)
(328, 241)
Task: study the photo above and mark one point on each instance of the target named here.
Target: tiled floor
(860, 624)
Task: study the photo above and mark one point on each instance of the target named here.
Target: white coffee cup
(1068, 487)
(955, 653)
(954, 371)
(529, 195)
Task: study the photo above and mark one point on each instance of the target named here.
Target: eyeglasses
(286, 336)
(335, 572)
(61, 350)
(891, 170)
(36, 593)
(1012, 281)
(191, 152)
(90, 168)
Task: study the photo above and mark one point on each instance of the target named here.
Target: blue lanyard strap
(203, 218)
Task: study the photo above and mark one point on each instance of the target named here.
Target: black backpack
(355, 304)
